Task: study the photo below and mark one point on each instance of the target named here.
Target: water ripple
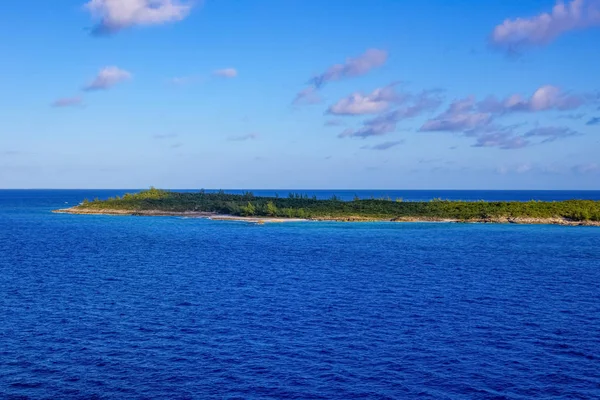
(101, 307)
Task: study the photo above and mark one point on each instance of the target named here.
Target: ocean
(111, 307)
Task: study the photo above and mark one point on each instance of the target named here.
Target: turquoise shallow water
(139, 307)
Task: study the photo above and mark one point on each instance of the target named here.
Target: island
(296, 207)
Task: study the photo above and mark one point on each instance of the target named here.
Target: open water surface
(173, 308)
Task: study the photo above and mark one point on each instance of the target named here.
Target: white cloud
(542, 29)
(115, 15)
(516, 169)
(357, 66)
(370, 59)
(107, 78)
(307, 96)
(468, 114)
(459, 116)
(358, 103)
(68, 102)
(387, 122)
(545, 98)
(226, 73)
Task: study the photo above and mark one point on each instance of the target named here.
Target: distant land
(248, 207)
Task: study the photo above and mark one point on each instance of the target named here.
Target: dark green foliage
(301, 206)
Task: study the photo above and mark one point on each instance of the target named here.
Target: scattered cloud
(115, 15)
(427, 100)
(551, 133)
(226, 73)
(507, 138)
(68, 102)
(307, 96)
(545, 98)
(243, 138)
(383, 146)
(10, 153)
(516, 169)
(378, 126)
(176, 145)
(588, 168)
(414, 106)
(593, 121)
(515, 34)
(370, 59)
(531, 168)
(373, 103)
(571, 116)
(107, 78)
(460, 116)
(554, 168)
(476, 118)
(504, 140)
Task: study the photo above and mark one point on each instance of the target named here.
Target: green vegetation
(300, 206)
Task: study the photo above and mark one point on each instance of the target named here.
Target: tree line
(301, 206)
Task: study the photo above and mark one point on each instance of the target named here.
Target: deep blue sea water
(173, 308)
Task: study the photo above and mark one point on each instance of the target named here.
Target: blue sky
(386, 94)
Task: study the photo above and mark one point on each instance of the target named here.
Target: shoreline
(186, 214)
(261, 220)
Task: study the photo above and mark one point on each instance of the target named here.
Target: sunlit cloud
(545, 98)
(307, 96)
(115, 15)
(461, 115)
(373, 103)
(515, 34)
(414, 106)
(352, 67)
(107, 78)
(357, 66)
